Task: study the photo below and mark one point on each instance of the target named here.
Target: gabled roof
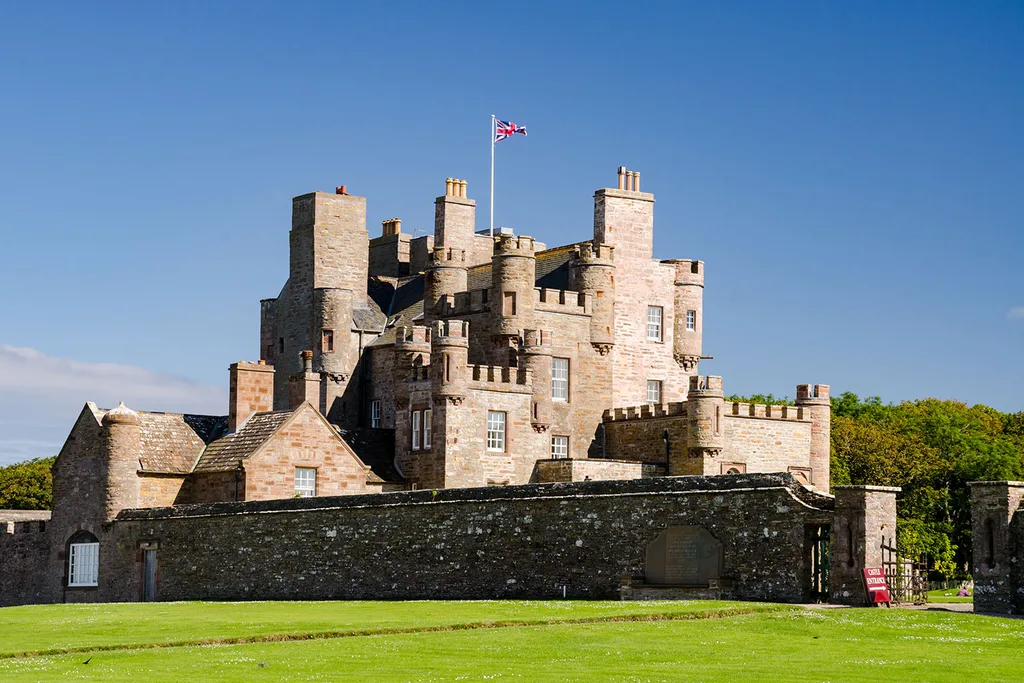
(225, 453)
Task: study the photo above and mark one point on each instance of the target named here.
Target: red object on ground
(878, 589)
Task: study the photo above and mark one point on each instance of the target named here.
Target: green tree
(27, 485)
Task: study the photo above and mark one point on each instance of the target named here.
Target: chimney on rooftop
(251, 390)
(340, 189)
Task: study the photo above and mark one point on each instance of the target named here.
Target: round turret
(122, 448)
(688, 309)
(449, 359)
(704, 435)
(513, 277)
(817, 407)
(592, 271)
(444, 277)
(333, 310)
(537, 358)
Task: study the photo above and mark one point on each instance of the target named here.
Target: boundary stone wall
(997, 531)
(502, 542)
(24, 553)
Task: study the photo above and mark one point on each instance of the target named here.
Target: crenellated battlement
(34, 526)
(561, 301)
(491, 377)
(646, 411)
(688, 272)
(514, 245)
(812, 392)
(591, 251)
(450, 331)
(412, 335)
(705, 385)
(537, 337)
(447, 256)
(768, 412)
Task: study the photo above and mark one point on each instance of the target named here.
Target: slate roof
(171, 442)
(376, 448)
(224, 453)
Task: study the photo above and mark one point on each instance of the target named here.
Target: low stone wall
(24, 555)
(503, 542)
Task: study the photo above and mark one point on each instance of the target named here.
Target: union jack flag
(506, 129)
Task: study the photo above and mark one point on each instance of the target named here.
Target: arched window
(83, 560)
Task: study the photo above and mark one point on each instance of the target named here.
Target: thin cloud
(41, 395)
(1015, 313)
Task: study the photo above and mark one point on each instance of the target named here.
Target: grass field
(527, 641)
(946, 595)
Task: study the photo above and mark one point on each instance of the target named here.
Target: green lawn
(946, 595)
(790, 644)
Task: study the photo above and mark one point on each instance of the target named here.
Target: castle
(458, 360)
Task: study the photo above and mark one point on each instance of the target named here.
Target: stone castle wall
(24, 556)
(997, 531)
(498, 542)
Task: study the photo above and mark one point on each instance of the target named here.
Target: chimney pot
(340, 189)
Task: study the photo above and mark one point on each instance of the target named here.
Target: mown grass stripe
(353, 633)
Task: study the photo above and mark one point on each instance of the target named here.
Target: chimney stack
(251, 390)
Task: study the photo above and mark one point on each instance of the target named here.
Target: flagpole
(492, 176)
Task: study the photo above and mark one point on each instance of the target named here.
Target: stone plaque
(684, 556)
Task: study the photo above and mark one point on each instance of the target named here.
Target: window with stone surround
(691, 321)
(654, 317)
(495, 431)
(305, 482)
(559, 447)
(560, 379)
(327, 341)
(417, 426)
(375, 414)
(654, 391)
(427, 414)
(83, 560)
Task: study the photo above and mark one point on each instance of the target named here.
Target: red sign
(878, 589)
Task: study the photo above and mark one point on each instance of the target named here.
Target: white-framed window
(417, 427)
(654, 391)
(654, 316)
(427, 414)
(691, 321)
(375, 414)
(84, 561)
(559, 447)
(305, 482)
(495, 431)
(560, 379)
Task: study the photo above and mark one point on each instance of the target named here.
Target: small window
(280, 345)
(560, 379)
(375, 414)
(559, 447)
(691, 321)
(305, 482)
(508, 304)
(426, 427)
(654, 391)
(417, 425)
(327, 342)
(83, 560)
(654, 315)
(495, 431)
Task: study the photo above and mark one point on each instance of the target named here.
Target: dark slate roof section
(225, 453)
(376, 448)
(368, 319)
(381, 291)
(209, 428)
(553, 267)
(406, 304)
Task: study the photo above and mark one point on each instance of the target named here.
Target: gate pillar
(997, 530)
(865, 518)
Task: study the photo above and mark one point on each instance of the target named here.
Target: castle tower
(444, 277)
(537, 355)
(817, 405)
(688, 313)
(705, 437)
(327, 278)
(454, 217)
(592, 271)
(513, 276)
(449, 375)
(624, 218)
(122, 447)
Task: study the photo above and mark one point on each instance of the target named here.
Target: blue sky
(852, 174)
